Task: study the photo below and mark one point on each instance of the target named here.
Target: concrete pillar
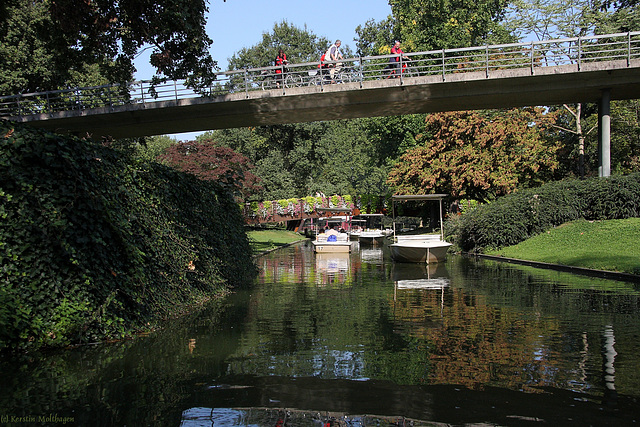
(604, 134)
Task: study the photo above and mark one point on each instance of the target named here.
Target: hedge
(513, 218)
(94, 245)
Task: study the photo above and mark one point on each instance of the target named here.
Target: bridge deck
(541, 73)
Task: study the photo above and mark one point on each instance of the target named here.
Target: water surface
(359, 340)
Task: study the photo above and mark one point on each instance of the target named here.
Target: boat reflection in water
(372, 255)
(332, 267)
(420, 276)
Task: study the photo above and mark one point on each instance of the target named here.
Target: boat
(421, 248)
(369, 235)
(332, 241)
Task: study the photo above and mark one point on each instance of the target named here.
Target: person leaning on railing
(280, 61)
(394, 61)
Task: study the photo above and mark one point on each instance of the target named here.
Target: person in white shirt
(333, 54)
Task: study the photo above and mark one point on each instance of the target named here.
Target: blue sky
(235, 24)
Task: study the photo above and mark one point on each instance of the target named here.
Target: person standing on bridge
(333, 54)
(394, 61)
(280, 61)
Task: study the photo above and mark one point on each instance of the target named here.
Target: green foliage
(93, 245)
(426, 25)
(478, 155)
(52, 44)
(516, 217)
(300, 45)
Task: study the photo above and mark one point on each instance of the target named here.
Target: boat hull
(428, 252)
(325, 247)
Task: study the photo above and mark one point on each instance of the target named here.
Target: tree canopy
(43, 43)
(479, 156)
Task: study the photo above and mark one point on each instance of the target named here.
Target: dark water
(359, 341)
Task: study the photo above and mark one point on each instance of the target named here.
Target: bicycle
(341, 75)
(272, 80)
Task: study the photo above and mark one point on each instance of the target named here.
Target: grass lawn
(265, 240)
(612, 245)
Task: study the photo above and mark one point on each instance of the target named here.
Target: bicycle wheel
(293, 80)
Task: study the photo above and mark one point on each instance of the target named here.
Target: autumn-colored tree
(479, 156)
(211, 162)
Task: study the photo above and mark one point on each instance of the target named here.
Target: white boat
(422, 248)
(332, 241)
(370, 235)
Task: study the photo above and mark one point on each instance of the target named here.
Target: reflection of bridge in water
(588, 69)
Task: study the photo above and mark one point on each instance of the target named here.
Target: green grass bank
(265, 240)
(612, 245)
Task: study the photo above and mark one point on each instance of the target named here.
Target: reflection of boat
(372, 254)
(332, 262)
(423, 248)
(420, 276)
(333, 267)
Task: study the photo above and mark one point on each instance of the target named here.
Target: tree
(437, 24)
(46, 40)
(300, 45)
(478, 156)
(211, 162)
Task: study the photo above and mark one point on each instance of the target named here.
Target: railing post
(486, 55)
(175, 89)
(361, 71)
(443, 67)
(49, 105)
(246, 83)
(141, 92)
(579, 52)
(19, 106)
(532, 57)
(628, 48)
(401, 71)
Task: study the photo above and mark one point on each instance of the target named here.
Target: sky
(234, 24)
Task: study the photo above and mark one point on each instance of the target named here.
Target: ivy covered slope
(94, 245)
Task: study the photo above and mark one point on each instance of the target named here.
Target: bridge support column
(604, 134)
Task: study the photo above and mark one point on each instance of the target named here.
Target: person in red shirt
(280, 61)
(394, 62)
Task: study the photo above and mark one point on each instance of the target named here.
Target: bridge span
(587, 69)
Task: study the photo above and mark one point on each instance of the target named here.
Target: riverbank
(581, 247)
(610, 245)
(267, 240)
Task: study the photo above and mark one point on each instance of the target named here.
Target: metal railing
(438, 64)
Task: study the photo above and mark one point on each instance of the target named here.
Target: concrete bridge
(591, 69)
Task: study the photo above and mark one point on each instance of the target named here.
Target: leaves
(478, 156)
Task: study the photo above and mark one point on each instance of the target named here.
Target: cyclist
(280, 61)
(333, 54)
(394, 62)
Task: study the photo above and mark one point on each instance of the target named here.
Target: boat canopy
(411, 197)
(417, 197)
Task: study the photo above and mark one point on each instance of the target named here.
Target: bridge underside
(464, 91)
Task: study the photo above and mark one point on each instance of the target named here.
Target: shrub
(93, 245)
(516, 217)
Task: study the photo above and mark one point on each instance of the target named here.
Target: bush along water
(94, 245)
(514, 218)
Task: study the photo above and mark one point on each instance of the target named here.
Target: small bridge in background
(585, 69)
(296, 210)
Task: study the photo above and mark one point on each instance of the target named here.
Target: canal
(358, 340)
